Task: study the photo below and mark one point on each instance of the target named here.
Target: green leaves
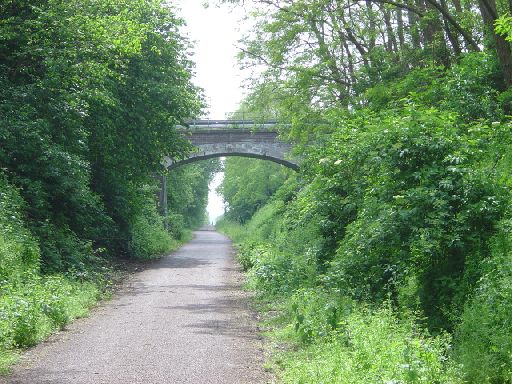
(248, 184)
(416, 204)
(504, 26)
(91, 92)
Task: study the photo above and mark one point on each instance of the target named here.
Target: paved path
(182, 320)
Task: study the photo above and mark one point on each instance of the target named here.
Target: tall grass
(372, 346)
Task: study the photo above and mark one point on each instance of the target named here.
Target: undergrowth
(33, 305)
(329, 337)
(322, 334)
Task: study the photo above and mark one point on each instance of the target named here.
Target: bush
(484, 336)
(149, 238)
(315, 313)
(32, 308)
(373, 346)
(18, 249)
(177, 226)
(406, 195)
(276, 272)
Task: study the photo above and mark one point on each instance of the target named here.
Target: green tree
(248, 184)
(90, 93)
(188, 195)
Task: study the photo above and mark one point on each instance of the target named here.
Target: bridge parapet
(253, 125)
(248, 138)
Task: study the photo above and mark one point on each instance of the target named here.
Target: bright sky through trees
(214, 32)
(215, 206)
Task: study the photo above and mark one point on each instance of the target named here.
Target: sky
(215, 206)
(215, 31)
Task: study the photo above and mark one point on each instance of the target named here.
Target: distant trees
(248, 185)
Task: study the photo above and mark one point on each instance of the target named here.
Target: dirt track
(182, 320)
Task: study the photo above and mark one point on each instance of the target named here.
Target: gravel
(184, 319)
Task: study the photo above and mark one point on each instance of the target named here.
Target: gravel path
(182, 320)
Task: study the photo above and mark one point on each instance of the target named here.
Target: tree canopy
(397, 227)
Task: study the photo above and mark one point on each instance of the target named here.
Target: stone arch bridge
(220, 138)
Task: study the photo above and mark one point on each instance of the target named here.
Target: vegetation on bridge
(388, 258)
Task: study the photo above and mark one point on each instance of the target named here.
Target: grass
(32, 310)
(317, 335)
(33, 306)
(372, 346)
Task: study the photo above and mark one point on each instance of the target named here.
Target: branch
(400, 5)
(260, 58)
(469, 39)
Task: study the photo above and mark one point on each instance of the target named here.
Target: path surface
(182, 320)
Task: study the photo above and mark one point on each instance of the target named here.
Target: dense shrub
(85, 119)
(31, 309)
(484, 336)
(32, 306)
(391, 236)
(407, 196)
(149, 238)
(19, 252)
(373, 346)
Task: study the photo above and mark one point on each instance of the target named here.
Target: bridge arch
(222, 138)
(193, 159)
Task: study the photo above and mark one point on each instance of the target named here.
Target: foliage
(399, 198)
(187, 195)
(373, 346)
(395, 220)
(469, 88)
(149, 237)
(91, 91)
(484, 335)
(18, 250)
(504, 26)
(31, 306)
(90, 94)
(321, 54)
(31, 311)
(397, 226)
(248, 184)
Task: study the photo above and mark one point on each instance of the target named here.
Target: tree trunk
(373, 32)
(400, 27)
(454, 41)
(392, 44)
(413, 21)
(498, 42)
(423, 37)
(435, 35)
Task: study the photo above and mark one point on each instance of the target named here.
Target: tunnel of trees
(385, 259)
